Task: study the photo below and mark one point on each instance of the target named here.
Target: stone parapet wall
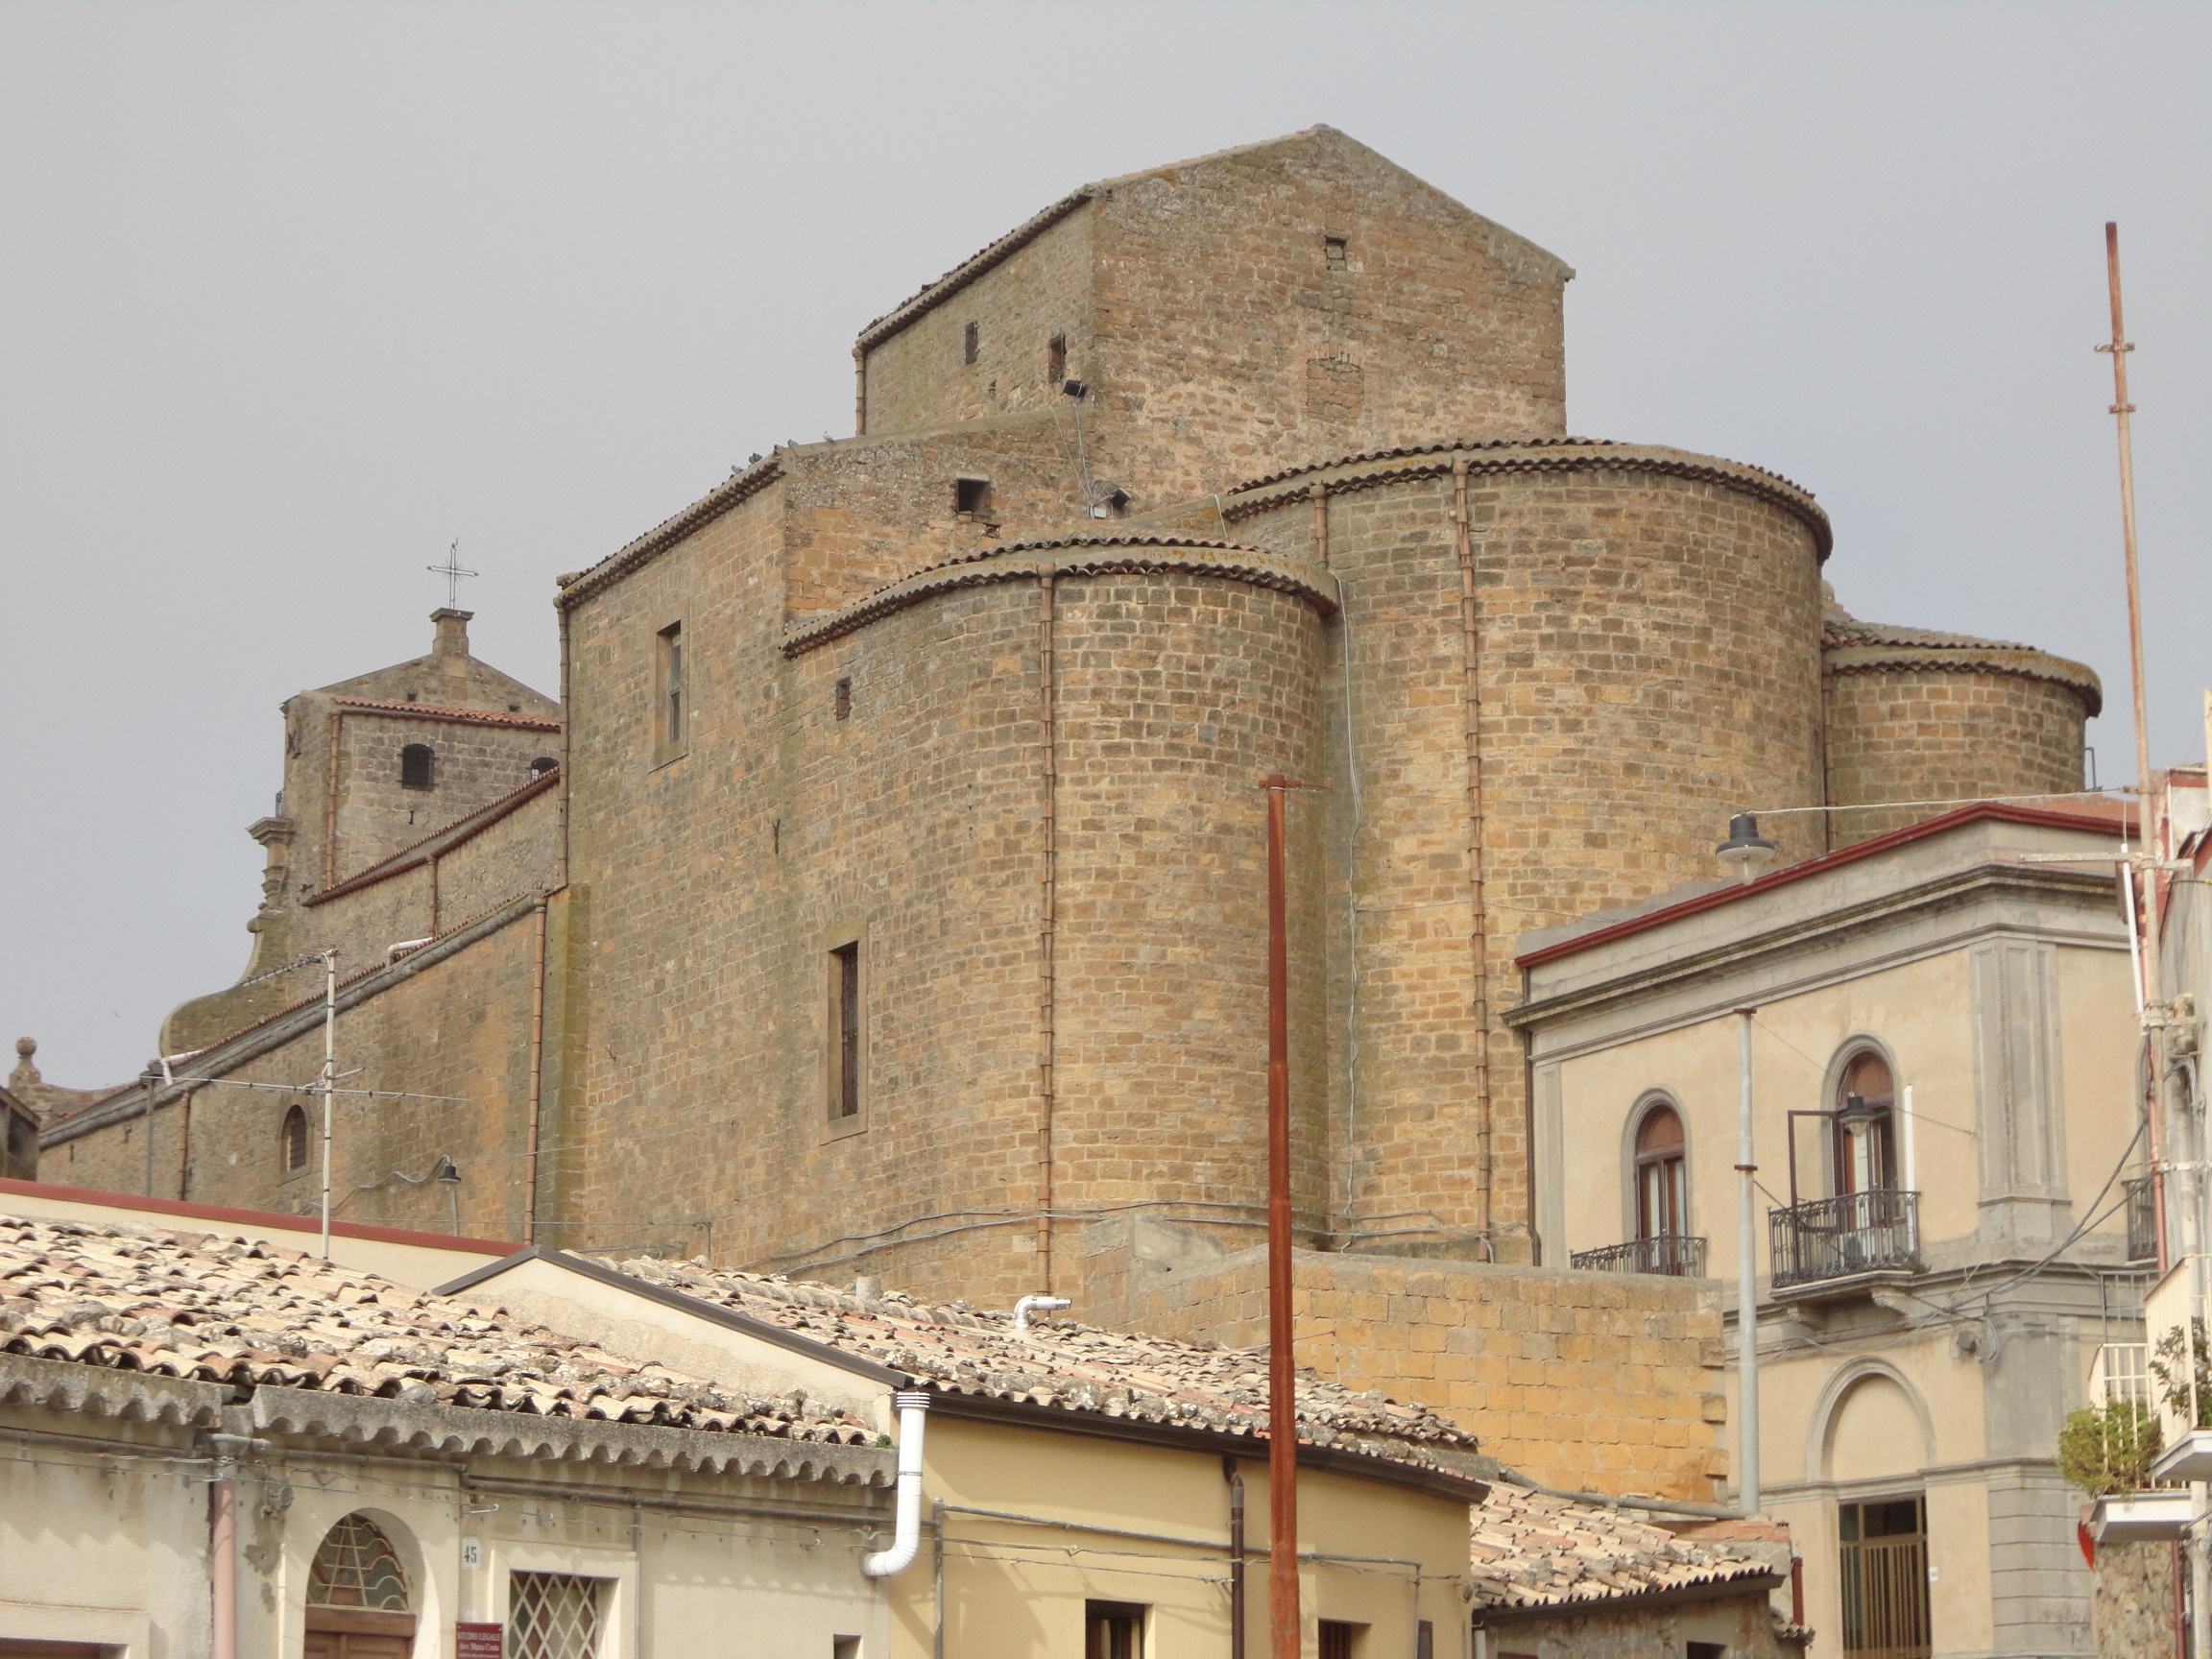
(1609, 1382)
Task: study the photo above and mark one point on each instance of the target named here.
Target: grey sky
(293, 296)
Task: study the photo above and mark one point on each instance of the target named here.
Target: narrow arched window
(1864, 1147)
(357, 1567)
(418, 767)
(1662, 1179)
(296, 1139)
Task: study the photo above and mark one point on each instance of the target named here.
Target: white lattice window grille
(553, 1615)
(355, 1567)
(2120, 1372)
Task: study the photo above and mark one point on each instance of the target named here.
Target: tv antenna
(452, 570)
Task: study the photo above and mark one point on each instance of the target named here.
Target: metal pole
(329, 1079)
(1282, 1375)
(2154, 1011)
(1746, 1283)
(1235, 1560)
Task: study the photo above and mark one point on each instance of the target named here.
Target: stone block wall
(473, 764)
(1647, 663)
(1920, 732)
(1609, 1382)
(1332, 302)
(447, 1045)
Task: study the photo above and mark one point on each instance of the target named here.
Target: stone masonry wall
(1609, 1382)
(473, 765)
(1647, 664)
(1284, 302)
(1922, 733)
(920, 376)
(450, 1043)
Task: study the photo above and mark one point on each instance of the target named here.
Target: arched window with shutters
(358, 1605)
(293, 1144)
(418, 767)
(1863, 1151)
(1662, 1174)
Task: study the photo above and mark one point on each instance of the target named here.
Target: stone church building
(884, 894)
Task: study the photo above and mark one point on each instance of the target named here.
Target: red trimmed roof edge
(268, 1218)
(2123, 822)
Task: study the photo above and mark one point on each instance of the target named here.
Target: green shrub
(2109, 1450)
(2176, 1381)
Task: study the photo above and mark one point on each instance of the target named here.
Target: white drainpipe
(913, 1412)
(1041, 1304)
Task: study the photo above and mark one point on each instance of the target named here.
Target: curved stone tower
(1570, 662)
(1919, 718)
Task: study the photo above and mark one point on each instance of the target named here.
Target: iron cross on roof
(452, 570)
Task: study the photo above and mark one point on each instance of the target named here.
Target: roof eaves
(1827, 861)
(730, 493)
(1756, 1578)
(458, 832)
(440, 712)
(931, 295)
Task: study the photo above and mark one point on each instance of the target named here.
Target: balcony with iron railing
(1847, 1237)
(2142, 1219)
(1678, 1254)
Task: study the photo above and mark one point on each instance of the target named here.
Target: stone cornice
(1951, 890)
(1506, 455)
(1141, 555)
(2020, 661)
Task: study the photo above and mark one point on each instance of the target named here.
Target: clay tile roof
(1527, 1549)
(963, 1350)
(1850, 646)
(441, 711)
(214, 1310)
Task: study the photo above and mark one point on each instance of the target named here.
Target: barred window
(553, 1615)
(418, 767)
(355, 1567)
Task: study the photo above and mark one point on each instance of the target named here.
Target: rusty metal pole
(2153, 1001)
(1282, 1373)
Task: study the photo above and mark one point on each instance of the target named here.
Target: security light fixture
(1746, 852)
(1075, 388)
(447, 1173)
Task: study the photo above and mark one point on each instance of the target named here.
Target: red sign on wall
(477, 1641)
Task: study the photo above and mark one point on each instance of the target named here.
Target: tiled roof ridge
(1531, 1549)
(445, 711)
(1889, 648)
(754, 477)
(475, 821)
(991, 565)
(933, 293)
(202, 1308)
(1066, 1364)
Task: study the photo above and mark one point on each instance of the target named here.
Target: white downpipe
(1747, 1282)
(1037, 1303)
(913, 1412)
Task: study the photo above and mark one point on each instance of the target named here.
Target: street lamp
(448, 1176)
(1745, 852)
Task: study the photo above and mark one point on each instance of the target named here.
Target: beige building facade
(1941, 1026)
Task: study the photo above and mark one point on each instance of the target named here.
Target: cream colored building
(404, 1477)
(1082, 1484)
(1940, 1260)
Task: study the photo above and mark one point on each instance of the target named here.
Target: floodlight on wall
(1855, 1114)
(1745, 852)
(1075, 388)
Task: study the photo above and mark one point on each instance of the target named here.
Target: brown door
(357, 1633)
(11, 1649)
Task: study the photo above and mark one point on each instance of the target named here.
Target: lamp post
(1282, 1375)
(1746, 852)
(448, 1175)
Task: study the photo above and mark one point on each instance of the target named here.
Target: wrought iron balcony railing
(1877, 1231)
(1676, 1253)
(2142, 1220)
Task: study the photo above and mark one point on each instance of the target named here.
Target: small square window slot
(971, 342)
(971, 497)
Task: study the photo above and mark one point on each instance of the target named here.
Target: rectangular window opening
(670, 673)
(844, 1647)
(1113, 1629)
(845, 1032)
(554, 1616)
(843, 699)
(971, 342)
(1337, 254)
(1339, 1639)
(971, 497)
(1056, 361)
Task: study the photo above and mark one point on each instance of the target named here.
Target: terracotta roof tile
(1527, 1549)
(441, 711)
(1062, 1363)
(215, 1310)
